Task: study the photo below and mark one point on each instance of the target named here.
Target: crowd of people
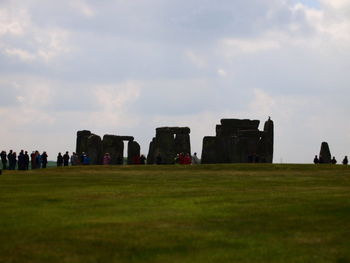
(320, 160)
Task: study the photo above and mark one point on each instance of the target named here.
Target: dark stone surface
(82, 140)
(209, 150)
(168, 142)
(113, 145)
(133, 152)
(151, 152)
(325, 153)
(239, 141)
(94, 149)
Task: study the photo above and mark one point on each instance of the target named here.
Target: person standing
(66, 159)
(74, 159)
(26, 161)
(195, 159)
(106, 159)
(59, 160)
(4, 160)
(44, 159)
(37, 159)
(21, 160)
(345, 160)
(333, 161)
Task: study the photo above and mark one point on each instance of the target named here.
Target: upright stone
(94, 149)
(209, 150)
(151, 152)
(182, 141)
(82, 141)
(325, 153)
(165, 145)
(133, 152)
(113, 145)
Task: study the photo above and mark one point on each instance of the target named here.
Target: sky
(127, 67)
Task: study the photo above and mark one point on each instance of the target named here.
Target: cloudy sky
(127, 67)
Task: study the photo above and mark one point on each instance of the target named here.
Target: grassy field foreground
(208, 213)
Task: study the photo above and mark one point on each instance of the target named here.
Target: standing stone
(209, 150)
(113, 145)
(325, 153)
(94, 149)
(82, 141)
(133, 152)
(151, 152)
(182, 141)
(165, 145)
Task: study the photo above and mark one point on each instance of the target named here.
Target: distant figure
(4, 160)
(106, 159)
(59, 160)
(86, 160)
(11, 160)
(142, 159)
(44, 159)
(66, 159)
(21, 160)
(187, 159)
(333, 161)
(26, 161)
(32, 160)
(159, 159)
(38, 159)
(195, 159)
(345, 160)
(74, 159)
(316, 160)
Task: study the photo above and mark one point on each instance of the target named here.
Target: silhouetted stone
(94, 149)
(239, 141)
(168, 142)
(325, 153)
(113, 145)
(82, 140)
(133, 152)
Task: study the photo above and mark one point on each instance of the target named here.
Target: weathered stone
(94, 149)
(239, 141)
(168, 142)
(209, 150)
(82, 139)
(133, 152)
(151, 152)
(113, 145)
(325, 153)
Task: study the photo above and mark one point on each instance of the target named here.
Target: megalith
(82, 141)
(168, 142)
(133, 152)
(325, 153)
(94, 149)
(113, 145)
(239, 141)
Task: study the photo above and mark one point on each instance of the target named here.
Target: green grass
(207, 213)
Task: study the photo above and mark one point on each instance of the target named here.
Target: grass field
(207, 213)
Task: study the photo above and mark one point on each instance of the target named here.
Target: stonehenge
(236, 141)
(169, 141)
(239, 141)
(92, 145)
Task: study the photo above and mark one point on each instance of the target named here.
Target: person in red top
(187, 159)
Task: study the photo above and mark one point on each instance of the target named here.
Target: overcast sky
(126, 67)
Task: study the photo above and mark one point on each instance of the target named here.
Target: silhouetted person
(195, 159)
(44, 159)
(333, 161)
(86, 159)
(37, 159)
(74, 159)
(11, 161)
(4, 160)
(66, 159)
(59, 160)
(316, 160)
(26, 161)
(32, 160)
(345, 160)
(21, 160)
(142, 159)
